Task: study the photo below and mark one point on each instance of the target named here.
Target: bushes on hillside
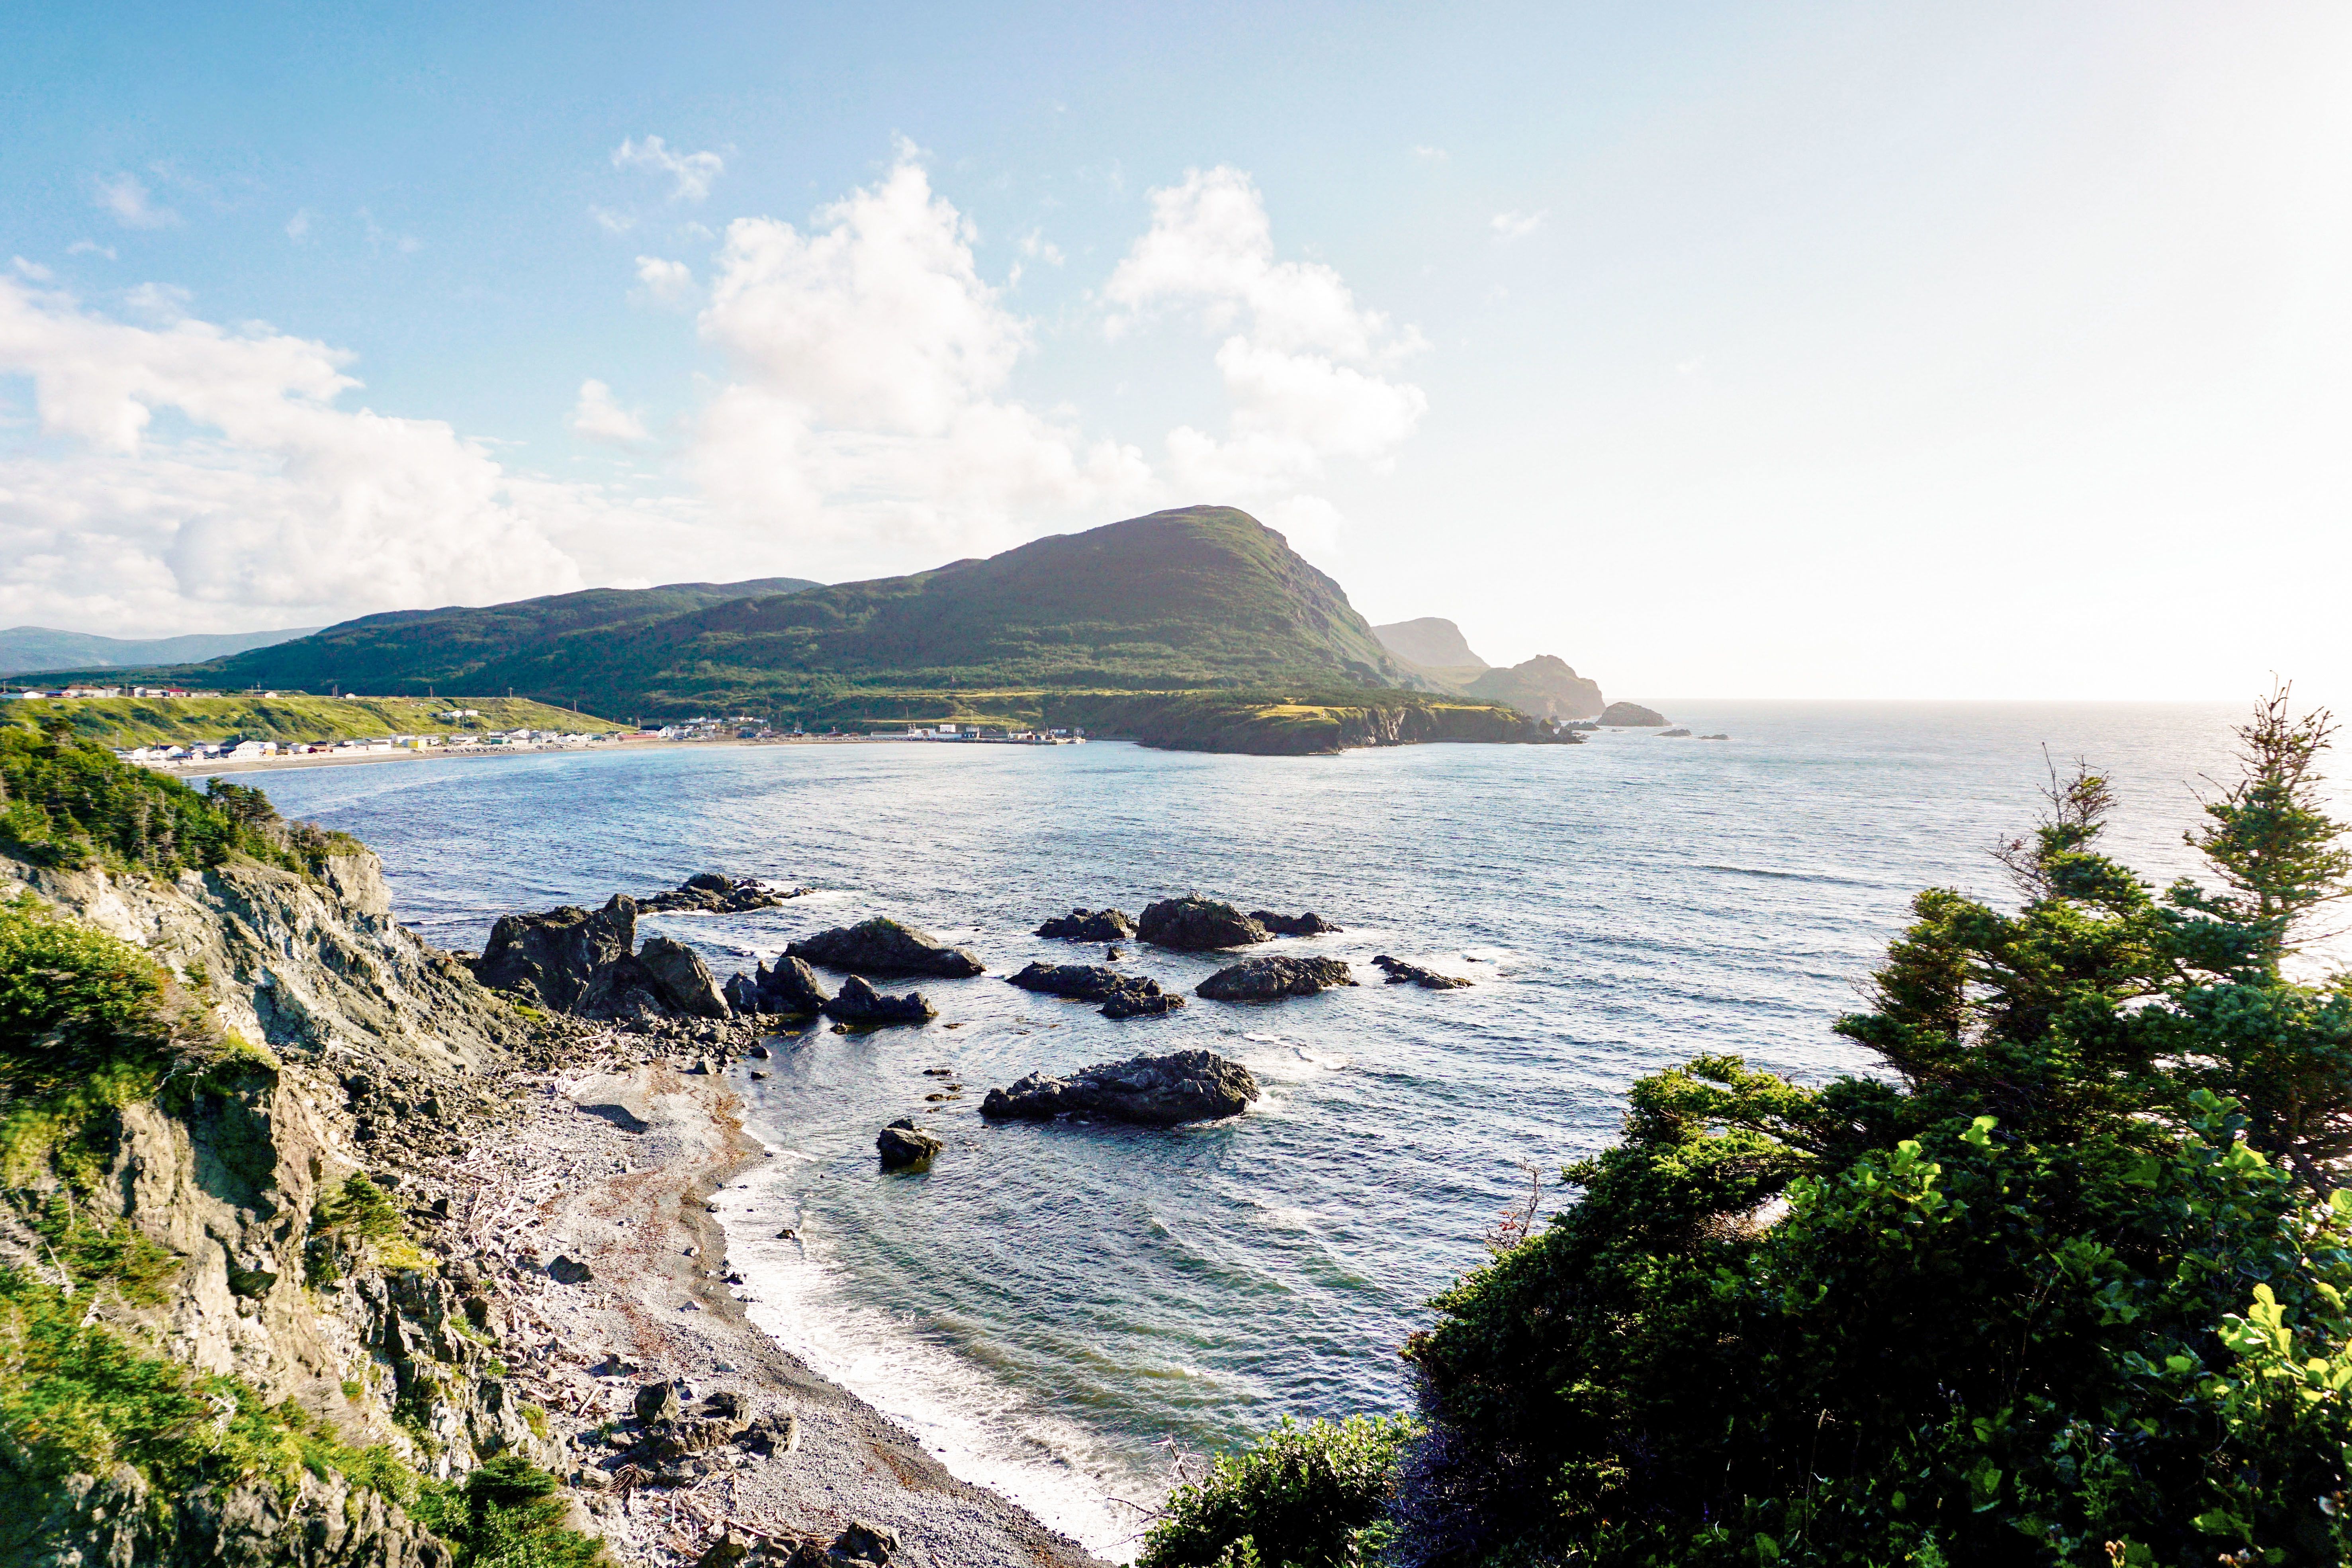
(71, 802)
(1313, 1496)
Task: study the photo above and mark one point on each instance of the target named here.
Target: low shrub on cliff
(1313, 1496)
(506, 1515)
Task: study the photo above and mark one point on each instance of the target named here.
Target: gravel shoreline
(617, 1170)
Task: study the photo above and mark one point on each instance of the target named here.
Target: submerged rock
(1089, 925)
(714, 892)
(1198, 925)
(1162, 1090)
(859, 1002)
(1142, 1004)
(883, 946)
(1309, 924)
(903, 1143)
(1269, 979)
(1401, 973)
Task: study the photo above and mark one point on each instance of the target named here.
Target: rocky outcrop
(314, 1521)
(883, 946)
(1309, 924)
(1195, 924)
(681, 978)
(859, 1002)
(1088, 925)
(569, 960)
(902, 1143)
(788, 988)
(1162, 1090)
(1122, 996)
(1403, 974)
(1544, 686)
(715, 893)
(1271, 979)
(1632, 716)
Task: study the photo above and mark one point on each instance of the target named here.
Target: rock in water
(1401, 973)
(1123, 995)
(715, 893)
(789, 990)
(883, 946)
(681, 978)
(1161, 1091)
(1198, 925)
(903, 1143)
(1632, 716)
(861, 1004)
(1309, 924)
(559, 957)
(1089, 925)
(1269, 979)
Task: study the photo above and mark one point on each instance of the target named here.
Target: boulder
(788, 989)
(743, 993)
(1309, 924)
(716, 893)
(866, 1543)
(1271, 979)
(682, 979)
(1140, 1003)
(883, 946)
(859, 1002)
(1131, 995)
(1162, 1090)
(559, 958)
(1403, 974)
(1198, 925)
(568, 1271)
(1632, 716)
(656, 1402)
(1089, 925)
(902, 1143)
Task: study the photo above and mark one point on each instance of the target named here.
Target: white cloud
(599, 418)
(267, 495)
(612, 222)
(666, 282)
(126, 196)
(32, 270)
(867, 406)
(1303, 364)
(298, 227)
(1508, 226)
(1430, 154)
(90, 247)
(378, 236)
(691, 174)
(161, 302)
(1037, 248)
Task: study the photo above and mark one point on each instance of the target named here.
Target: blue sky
(1877, 350)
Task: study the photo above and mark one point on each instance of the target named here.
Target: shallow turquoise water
(1050, 1303)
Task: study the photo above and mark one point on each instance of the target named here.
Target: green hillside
(180, 720)
(455, 648)
(33, 649)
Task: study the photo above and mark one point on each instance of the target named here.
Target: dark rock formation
(1309, 924)
(903, 1143)
(789, 989)
(569, 960)
(861, 1004)
(566, 1270)
(1632, 716)
(883, 946)
(1401, 973)
(714, 893)
(1122, 996)
(1676, 734)
(1270, 979)
(1195, 924)
(1089, 925)
(1544, 687)
(681, 978)
(1182, 1086)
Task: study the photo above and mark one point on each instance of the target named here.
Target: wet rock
(1158, 1091)
(716, 893)
(1140, 1003)
(1403, 974)
(1309, 924)
(1122, 996)
(1270, 979)
(1089, 925)
(861, 1004)
(902, 1143)
(1114, 954)
(883, 946)
(788, 989)
(1193, 924)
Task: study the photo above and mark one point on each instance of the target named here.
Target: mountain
(1544, 686)
(30, 649)
(453, 649)
(1431, 642)
(1198, 597)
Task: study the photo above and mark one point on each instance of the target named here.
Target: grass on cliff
(121, 721)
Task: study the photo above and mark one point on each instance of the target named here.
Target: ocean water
(1058, 1309)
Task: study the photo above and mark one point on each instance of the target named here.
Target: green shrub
(1303, 1497)
(506, 1515)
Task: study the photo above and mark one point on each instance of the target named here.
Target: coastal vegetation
(297, 718)
(2063, 1279)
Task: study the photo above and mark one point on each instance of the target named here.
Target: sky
(1905, 351)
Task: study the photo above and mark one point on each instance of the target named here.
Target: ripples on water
(1049, 1303)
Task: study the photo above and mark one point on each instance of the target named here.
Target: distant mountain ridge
(1544, 687)
(1431, 642)
(31, 650)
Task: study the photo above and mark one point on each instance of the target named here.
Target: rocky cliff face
(1544, 686)
(355, 1048)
